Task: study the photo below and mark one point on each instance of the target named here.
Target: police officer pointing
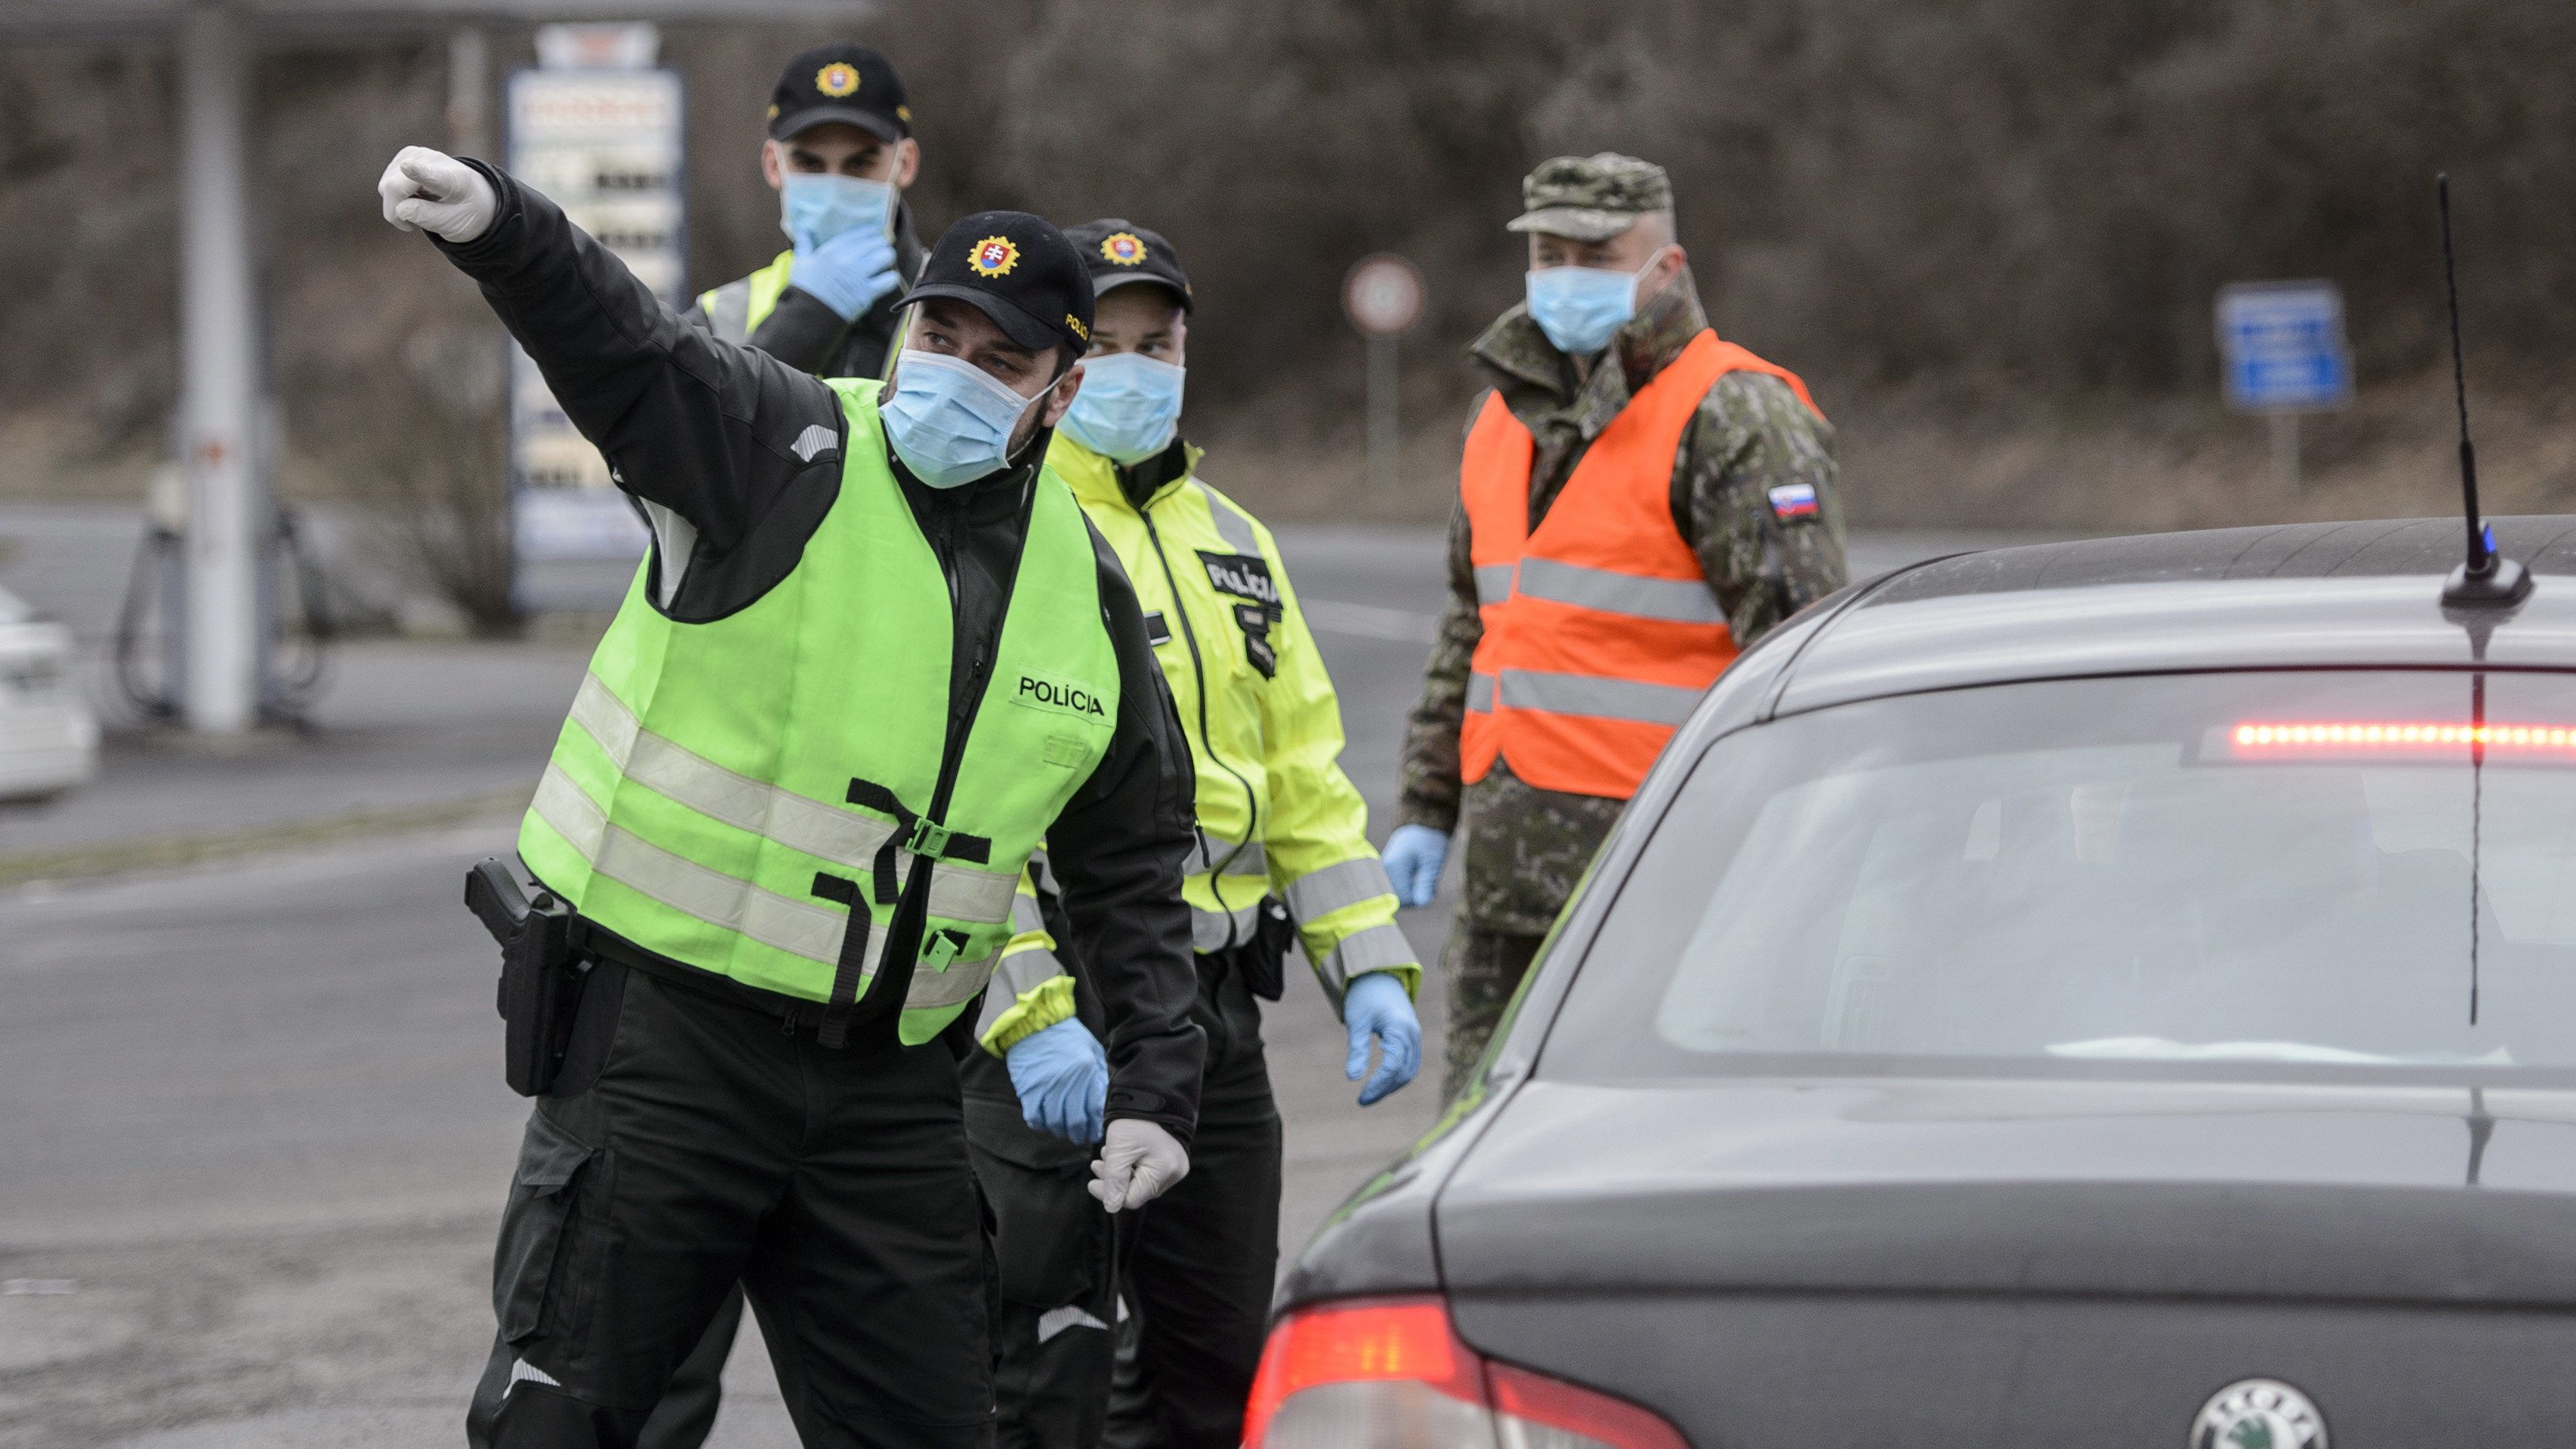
(874, 655)
(840, 154)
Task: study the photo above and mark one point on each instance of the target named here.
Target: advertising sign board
(605, 146)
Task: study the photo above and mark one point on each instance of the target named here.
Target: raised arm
(715, 433)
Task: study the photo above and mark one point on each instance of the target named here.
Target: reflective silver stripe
(1020, 972)
(1318, 894)
(796, 927)
(834, 833)
(1480, 693)
(1685, 601)
(1375, 949)
(1213, 848)
(997, 1000)
(729, 310)
(1493, 583)
(1599, 696)
(570, 810)
(1231, 524)
(1025, 916)
(963, 981)
(1213, 930)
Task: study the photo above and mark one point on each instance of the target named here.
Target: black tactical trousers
(1198, 1264)
(716, 1147)
(1195, 1267)
(1055, 1254)
(1193, 1270)
(1200, 1272)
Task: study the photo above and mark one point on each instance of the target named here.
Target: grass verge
(165, 852)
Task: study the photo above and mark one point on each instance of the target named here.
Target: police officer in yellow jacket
(1283, 854)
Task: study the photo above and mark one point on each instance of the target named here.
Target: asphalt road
(253, 1139)
(251, 1114)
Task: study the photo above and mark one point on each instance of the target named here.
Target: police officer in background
(874, 655)
(1283, 855)
(1638, 500)
(840, 154)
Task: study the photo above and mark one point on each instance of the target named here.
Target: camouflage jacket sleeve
(1753, 443)
(1429, 786)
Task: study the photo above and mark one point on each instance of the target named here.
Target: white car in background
(48, 736)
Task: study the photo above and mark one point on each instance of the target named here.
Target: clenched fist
(430, 190)
(1138, 1163)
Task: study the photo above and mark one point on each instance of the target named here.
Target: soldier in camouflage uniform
(1752, 494)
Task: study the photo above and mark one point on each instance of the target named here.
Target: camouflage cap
(1591, 198)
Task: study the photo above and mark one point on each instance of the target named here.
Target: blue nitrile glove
(1413, 856)
(1376, 1006)
(1062, 1076)
(847, 273)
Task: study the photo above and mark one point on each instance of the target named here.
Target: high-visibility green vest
(736, 309)
(725, 793)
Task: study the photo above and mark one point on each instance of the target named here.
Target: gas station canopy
(121, 18)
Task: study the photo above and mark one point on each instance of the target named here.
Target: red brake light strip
(2258, 737)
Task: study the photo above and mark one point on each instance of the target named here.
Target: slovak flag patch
(1793, 500)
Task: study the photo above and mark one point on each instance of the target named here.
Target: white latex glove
(429, 190)
(1138, 1163)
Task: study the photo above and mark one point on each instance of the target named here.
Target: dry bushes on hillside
(2009, 213)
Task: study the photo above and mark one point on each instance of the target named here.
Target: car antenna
(2488, 579)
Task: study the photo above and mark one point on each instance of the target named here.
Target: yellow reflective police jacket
(736, 309)
(1276, 814)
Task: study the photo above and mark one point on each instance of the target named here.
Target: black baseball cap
(844, 82)
(1017, 270)
(1118, 252)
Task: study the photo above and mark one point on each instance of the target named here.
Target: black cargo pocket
(1050, 1235)
(532, 1262)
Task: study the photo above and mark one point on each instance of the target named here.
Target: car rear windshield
(2175, 875)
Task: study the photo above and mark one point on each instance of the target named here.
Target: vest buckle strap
(944, 947)
(930, 840)
(834, 1030)
(926, 838)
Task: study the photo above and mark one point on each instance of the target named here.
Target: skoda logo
(2259, 1414)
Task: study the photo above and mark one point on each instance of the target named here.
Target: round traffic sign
(1382, 294)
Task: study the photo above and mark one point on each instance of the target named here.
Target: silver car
(48, 736)
(2116, 993)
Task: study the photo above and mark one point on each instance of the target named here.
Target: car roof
(2309, 595)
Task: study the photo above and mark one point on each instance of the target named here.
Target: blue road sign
(2284, 346)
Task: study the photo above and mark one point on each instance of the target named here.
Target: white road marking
(1370, 621)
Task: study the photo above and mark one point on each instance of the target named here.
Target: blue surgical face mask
(1579, 307)
(813, 208)
(1129, 407)
(949, 420)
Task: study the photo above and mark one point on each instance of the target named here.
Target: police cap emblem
(838, 79)
(1123, 247)
(994, 256)
(2259, 1414)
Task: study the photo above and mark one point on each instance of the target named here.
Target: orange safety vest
(1600, 630)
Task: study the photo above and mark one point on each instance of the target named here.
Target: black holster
(1263, 960)
(541, 974)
